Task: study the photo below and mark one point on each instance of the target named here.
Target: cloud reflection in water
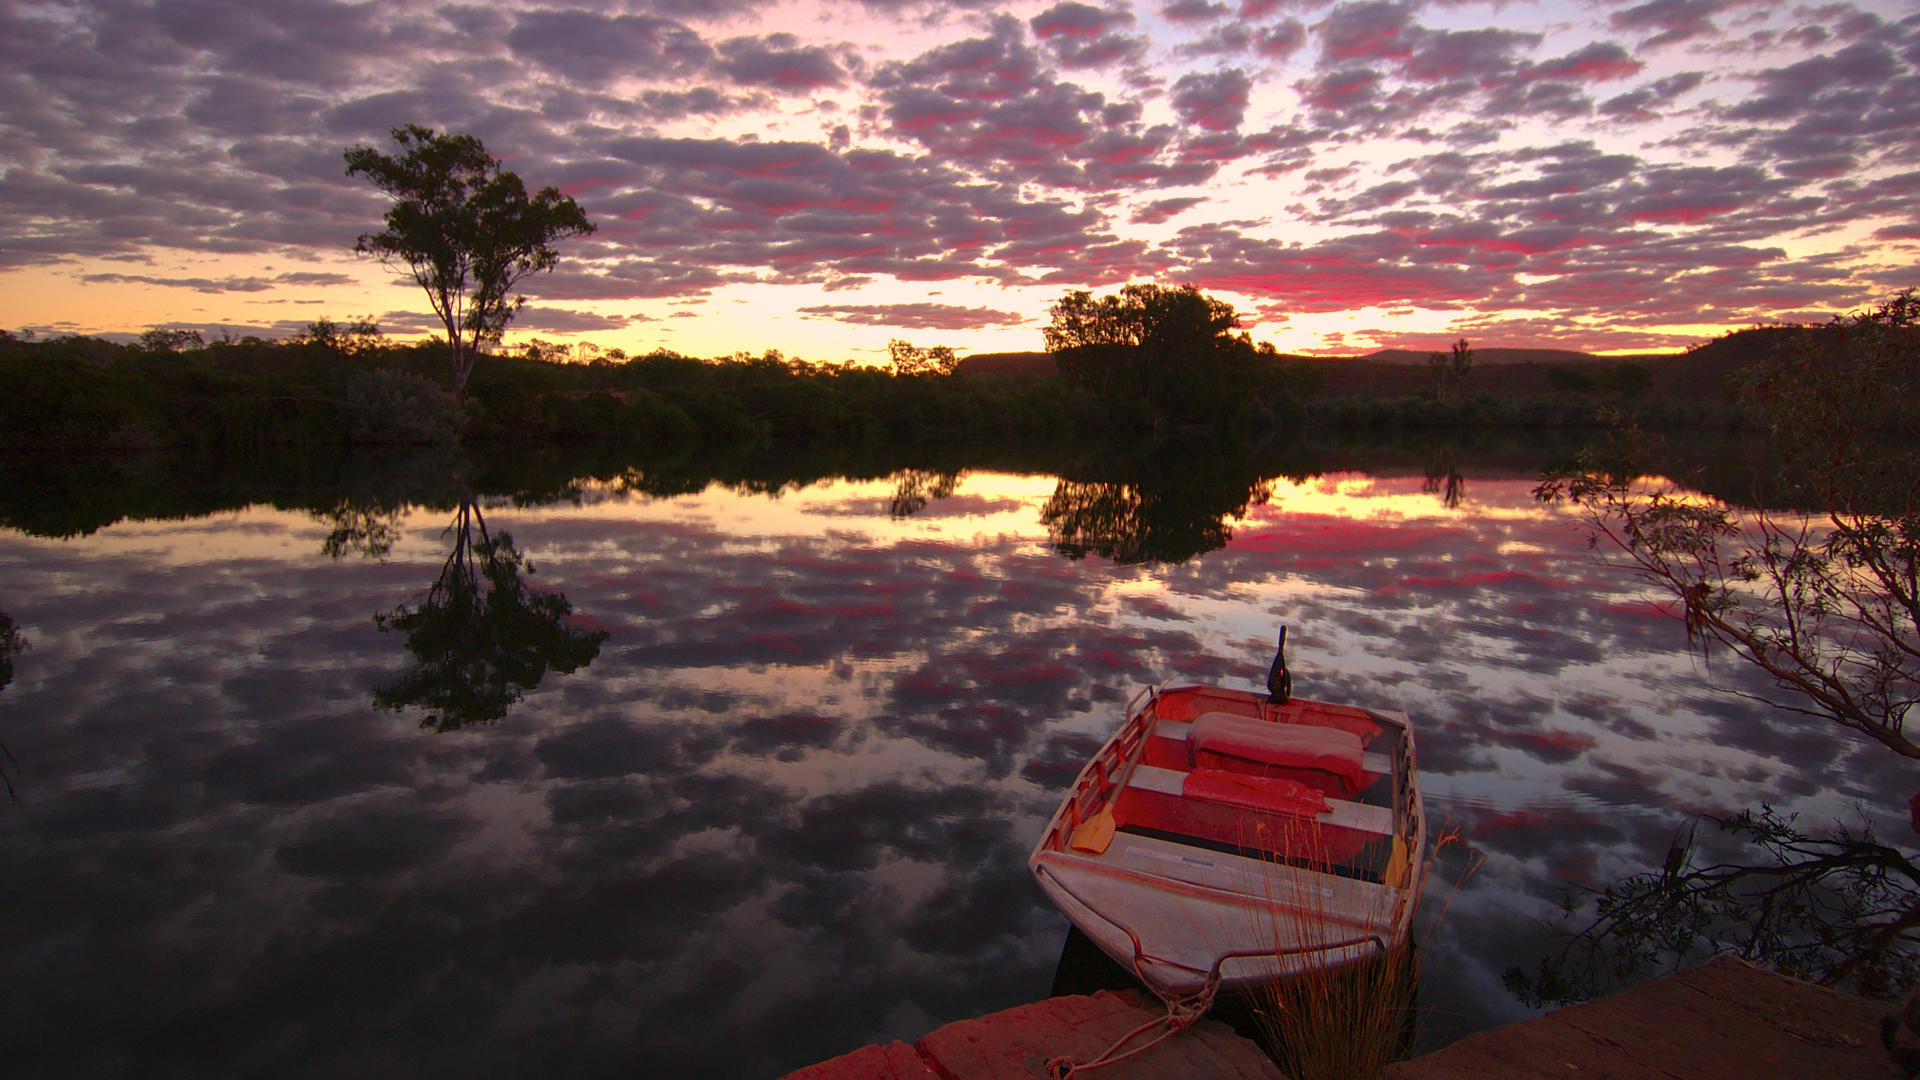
(785, 811)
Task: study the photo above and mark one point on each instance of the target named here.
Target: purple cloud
(1213, 102)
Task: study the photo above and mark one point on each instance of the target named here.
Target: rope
(1182, 1013)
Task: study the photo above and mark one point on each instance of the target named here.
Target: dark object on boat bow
(1279, 679)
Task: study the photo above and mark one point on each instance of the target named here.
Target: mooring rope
(1182, 1013)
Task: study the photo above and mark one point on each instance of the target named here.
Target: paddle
(1094, 834)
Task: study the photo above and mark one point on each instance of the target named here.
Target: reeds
(1345, 1022)
(1334, 1017)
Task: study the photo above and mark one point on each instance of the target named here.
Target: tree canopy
(1154, 352)
(1145, 316)
(466, 230)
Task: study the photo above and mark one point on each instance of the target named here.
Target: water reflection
(481, 637)
(1167, 516)
(1840, 908)
(914, 488)
(1444, 478)
(784, 810)
(11, 642)
(364, 527)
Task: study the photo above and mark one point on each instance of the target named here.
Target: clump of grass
(1334, 1021)
(1341, 1023)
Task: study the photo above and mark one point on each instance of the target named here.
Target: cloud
(1213, 102)
(1192, 11)
(589, 48)
(779, 62)
(1364, 30)
(1161, 211)
(1674, 20)
(1469, 55)
(222, 285)
(563, 321)
(1643, 103)
(987, 102)
(920, 316)
(1597, 62)
(1280, 41)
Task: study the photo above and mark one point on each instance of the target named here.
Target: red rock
(894, 1061)
(1722, 1020)
(1016, 1044)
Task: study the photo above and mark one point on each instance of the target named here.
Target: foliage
(465, 229)
(1828, 607)
(1152, 354)
(1842, 909)
(1448, 369)
(383, 406)
(161, 339)
(1143, 316)
(908, 360)
(354, 337)
(1625, 379)
(1568, 379)
(1842, 401)
(1629, 378)
(481, 638)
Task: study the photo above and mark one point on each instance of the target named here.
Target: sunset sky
(820, 177)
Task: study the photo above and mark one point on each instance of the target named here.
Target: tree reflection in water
(482, 637)
(1841, 910)
(914, 488)
(364, 528)
(1158, 519)
(11, 642)
(1444, 478)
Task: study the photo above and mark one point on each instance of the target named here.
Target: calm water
(781, 808)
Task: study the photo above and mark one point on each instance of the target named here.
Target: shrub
(383, 406)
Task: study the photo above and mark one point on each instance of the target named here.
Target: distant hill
(1501, 356)
(1007, 363)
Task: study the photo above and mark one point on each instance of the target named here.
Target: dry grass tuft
(1336, 1022)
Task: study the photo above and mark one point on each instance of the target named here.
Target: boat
(1222, 839)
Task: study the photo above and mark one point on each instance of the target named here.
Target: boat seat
(1270, 793)
(1243, 744)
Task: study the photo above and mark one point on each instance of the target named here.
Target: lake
(737, 779)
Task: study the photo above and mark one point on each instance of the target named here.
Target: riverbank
(239, 397)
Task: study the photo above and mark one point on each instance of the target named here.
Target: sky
(820, 177)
